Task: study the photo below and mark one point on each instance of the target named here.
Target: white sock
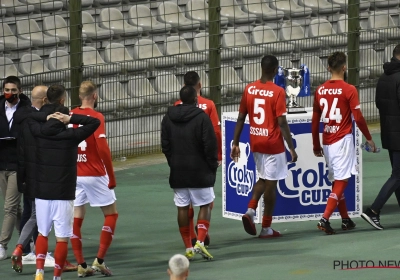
(189, 249)
(39, 271)
(268, 230)
(202, 243)
(251, 211)
(57, 278)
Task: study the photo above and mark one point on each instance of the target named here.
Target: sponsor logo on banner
(309, 183)
(239, 175)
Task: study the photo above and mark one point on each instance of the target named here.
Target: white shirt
(10, 113)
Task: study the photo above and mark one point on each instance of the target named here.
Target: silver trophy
(293, 81)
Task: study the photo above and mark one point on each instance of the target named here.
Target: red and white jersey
(264, 103)
(334, 100)
(209, 108)
(89, 160)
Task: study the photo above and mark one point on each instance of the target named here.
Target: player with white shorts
(265, 104)
(95, 185)
(336, 103)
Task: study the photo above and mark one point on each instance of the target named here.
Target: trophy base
(296, 110)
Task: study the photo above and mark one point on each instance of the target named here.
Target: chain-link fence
(138, 51)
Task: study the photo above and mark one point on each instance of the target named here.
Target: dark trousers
(26, 215)
(392, 185)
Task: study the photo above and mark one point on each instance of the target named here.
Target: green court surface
(147, 235)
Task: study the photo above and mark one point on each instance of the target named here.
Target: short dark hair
(396, 51)
(55, 93)
(191, 78)
(12, 80)
(269, 63)
(188, 95)
(337, 60)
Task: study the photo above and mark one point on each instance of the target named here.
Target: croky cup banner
(303, 194)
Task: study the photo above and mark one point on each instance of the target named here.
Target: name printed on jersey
(253, 90)
(202, 106)
(332, 91)
(258, 131)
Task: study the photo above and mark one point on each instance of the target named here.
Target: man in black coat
(56, 159)
(12, 101)
(190, 146)
(387, 101)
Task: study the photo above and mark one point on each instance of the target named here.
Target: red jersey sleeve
(215, 122)
(280, 109)
(356, 111)
(243, 103)
(316, 117)
(177, 102)
(101, 131)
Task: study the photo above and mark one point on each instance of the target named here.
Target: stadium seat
(112, 19)
(167, 83)
(32, 64)
(7, 68)
(388, 53)
(366, 36)
(147, 49)
(384, 25)
(30, 30)
(10, 41)
(117, 53)
(364, 4)
(198, 10)
(92, 30)
(231, 10)
(106, 2)
(59, 60)
(293, 33)
(205, 83)
(262, 10)
(384, 4)
(139, 87)
(114, 91)
(169, 12)
(290, 8)
(140, 15)
(320, 7)
(45, 6)
(85, 4)
(2, 11)
(15, 8)
(179, 48)
(265, 37)
(231, 84)
(236, 39)
(56, 26)
(94, 64)
(1, 47)
(370, 60)
(318, 71)
(201, 44)
(322, 29)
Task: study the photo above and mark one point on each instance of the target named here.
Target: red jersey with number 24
(264, 103)
(335, 100)
(89, 160)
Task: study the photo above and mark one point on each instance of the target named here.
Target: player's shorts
(57, 212)
(271, 167)
(194, 196)
(341, 159)
(93, 190)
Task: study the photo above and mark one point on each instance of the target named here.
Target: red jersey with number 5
(334, 100)
(264, 103)
(89, 160)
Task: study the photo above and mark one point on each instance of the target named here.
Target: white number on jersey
(259, 110)
(334, 113)
(83, 145)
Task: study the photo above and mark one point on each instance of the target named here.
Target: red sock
(343, 208)
(60, 256)
(191, 223)
(337, 192)
(107, 234)
(185, 233)
(41, 246)
(202, 229)
(266, 221)
(253, 204)
(76, 240)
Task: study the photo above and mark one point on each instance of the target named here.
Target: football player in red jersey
(335, 103)
(265, 103)
(95, 184)
(192, 78)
